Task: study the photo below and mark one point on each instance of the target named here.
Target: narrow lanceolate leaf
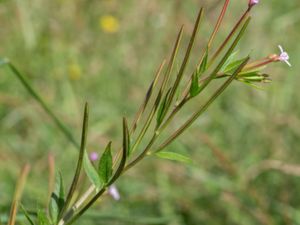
(57, 200)
(194, 89)
(232, 66)
(126, 138)
(80, 159)
(26, 215)
(174, 157)
(229, 60)
(91, 172)
(125, 150)
(172, 61)
(226, 56)
(203, 108)
(203, 65)
(43, 104)
(186, 59)
(42, 218)
(105, 165)
(249, 71)
(162, 108)
(146, 99)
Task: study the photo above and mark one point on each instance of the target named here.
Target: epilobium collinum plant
(165, 97)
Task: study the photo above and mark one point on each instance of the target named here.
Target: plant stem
(18, 194)
(140, 112)
(223, 45)
(202, 109)
(230, 35)
(218, 24)
(185, 60)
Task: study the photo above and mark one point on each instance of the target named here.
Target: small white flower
(284, 56)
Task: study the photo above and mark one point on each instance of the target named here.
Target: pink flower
(94, 156)
(284, 56)
(253, 2)
(113, 192)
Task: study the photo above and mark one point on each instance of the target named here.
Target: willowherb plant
(163, 100)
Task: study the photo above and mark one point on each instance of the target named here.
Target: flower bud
(93, 156)
(253, 2)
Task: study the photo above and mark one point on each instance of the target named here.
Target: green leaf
(229, 60)
(105, 164)
(174, 157)
(250, 71)
(203, 65)
(232, 66)
(125, 151)
(194, 89)
(56, 119)
(26, 215)
(42, 218)
(225, 57)
(163, 108)
(126, 138)
(80, 159)
(57, 199)
(253, 85)
(91, 172)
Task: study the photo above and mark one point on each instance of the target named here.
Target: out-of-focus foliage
(245, 147)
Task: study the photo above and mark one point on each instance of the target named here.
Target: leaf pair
(195, 88)
(104, 175)
(99, 177)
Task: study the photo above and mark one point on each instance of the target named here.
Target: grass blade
(42, 103)
(26, 215)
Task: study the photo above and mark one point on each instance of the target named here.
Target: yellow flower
(74, 71)
(109, 24)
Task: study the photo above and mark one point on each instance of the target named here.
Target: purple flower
(113, 192)
(253, 2)
(94, 156)
(284, 56)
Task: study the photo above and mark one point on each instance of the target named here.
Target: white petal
(287, 62)
(281, 49)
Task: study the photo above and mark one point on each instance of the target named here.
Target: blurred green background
(246, 146)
